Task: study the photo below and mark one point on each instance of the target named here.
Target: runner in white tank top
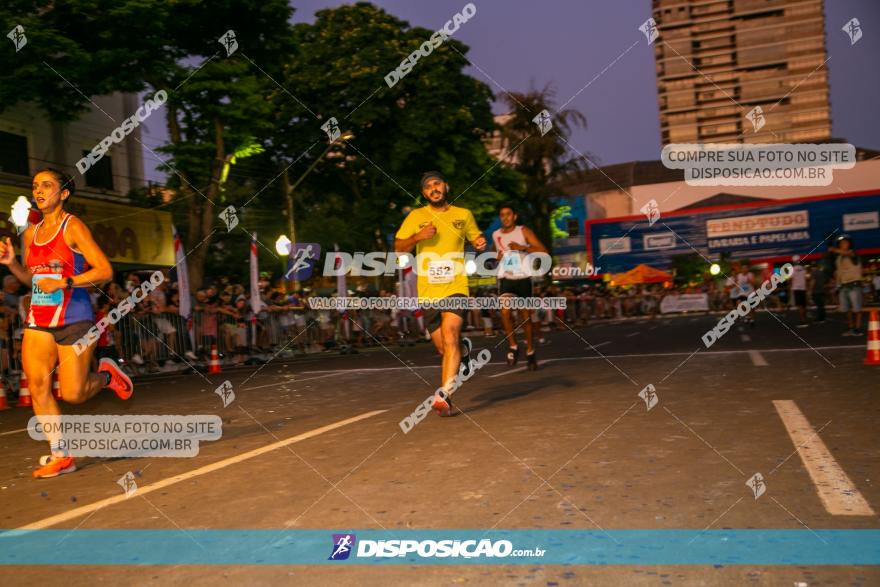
(513, 243)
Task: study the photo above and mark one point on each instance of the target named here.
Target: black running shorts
(433, 316)
(521, 288)
(67, 334)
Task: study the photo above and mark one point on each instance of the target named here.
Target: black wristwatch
(70, 283)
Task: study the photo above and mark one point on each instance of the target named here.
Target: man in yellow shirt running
(438, 232)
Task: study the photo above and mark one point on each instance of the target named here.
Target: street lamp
(20, 211)
(715, 269)
(282, 245)
(346, 136)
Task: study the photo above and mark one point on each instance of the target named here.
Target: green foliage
(433, 118)
(546, 160)
(559, 214)
(267, 102)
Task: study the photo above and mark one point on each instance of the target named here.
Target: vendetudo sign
(126, 234)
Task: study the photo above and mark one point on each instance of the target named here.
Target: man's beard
(438, 204)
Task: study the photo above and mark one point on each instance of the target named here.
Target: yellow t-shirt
(441, 258)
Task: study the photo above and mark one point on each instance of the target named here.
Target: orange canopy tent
(641, 274)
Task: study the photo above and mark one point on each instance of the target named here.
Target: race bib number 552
(440, 272)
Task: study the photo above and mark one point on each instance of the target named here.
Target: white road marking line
(89, 508)
(836, 490)
(601, 344)
(633, 333)
(745, 338)
(289, 380)
(631, 356)
(509, 371)
(757, 359)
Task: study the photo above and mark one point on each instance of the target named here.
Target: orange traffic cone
(872, 353)
(56, 386)
(4, 405)
(214, 363)
(24, 394)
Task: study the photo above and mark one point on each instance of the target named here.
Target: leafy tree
(434, 118)
(545, 160)
(82, 48)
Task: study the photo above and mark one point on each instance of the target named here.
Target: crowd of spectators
(155, 337)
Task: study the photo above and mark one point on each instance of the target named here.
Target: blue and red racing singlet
(55, 259)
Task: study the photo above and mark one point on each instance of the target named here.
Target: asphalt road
(315, 443)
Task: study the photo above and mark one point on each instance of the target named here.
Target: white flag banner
(256, 303)
(341, 292)
(184, 308)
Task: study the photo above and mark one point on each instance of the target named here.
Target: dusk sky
(516, 43)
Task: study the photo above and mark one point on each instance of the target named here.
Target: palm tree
(544, 160)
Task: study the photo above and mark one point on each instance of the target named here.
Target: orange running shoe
(56, 466)
(119, 381)
(442, 404)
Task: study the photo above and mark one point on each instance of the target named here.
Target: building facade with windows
(131, 237)
(717, 60)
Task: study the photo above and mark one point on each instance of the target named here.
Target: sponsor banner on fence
(684, 303)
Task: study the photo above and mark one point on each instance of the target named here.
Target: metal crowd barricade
(10, 347)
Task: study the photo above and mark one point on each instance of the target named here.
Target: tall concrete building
(719, 59)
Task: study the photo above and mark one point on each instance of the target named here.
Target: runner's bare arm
(80, 238)
(535, 245)
(7, 257)
(405, 245)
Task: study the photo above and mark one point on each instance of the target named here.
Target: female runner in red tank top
(60, 260)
